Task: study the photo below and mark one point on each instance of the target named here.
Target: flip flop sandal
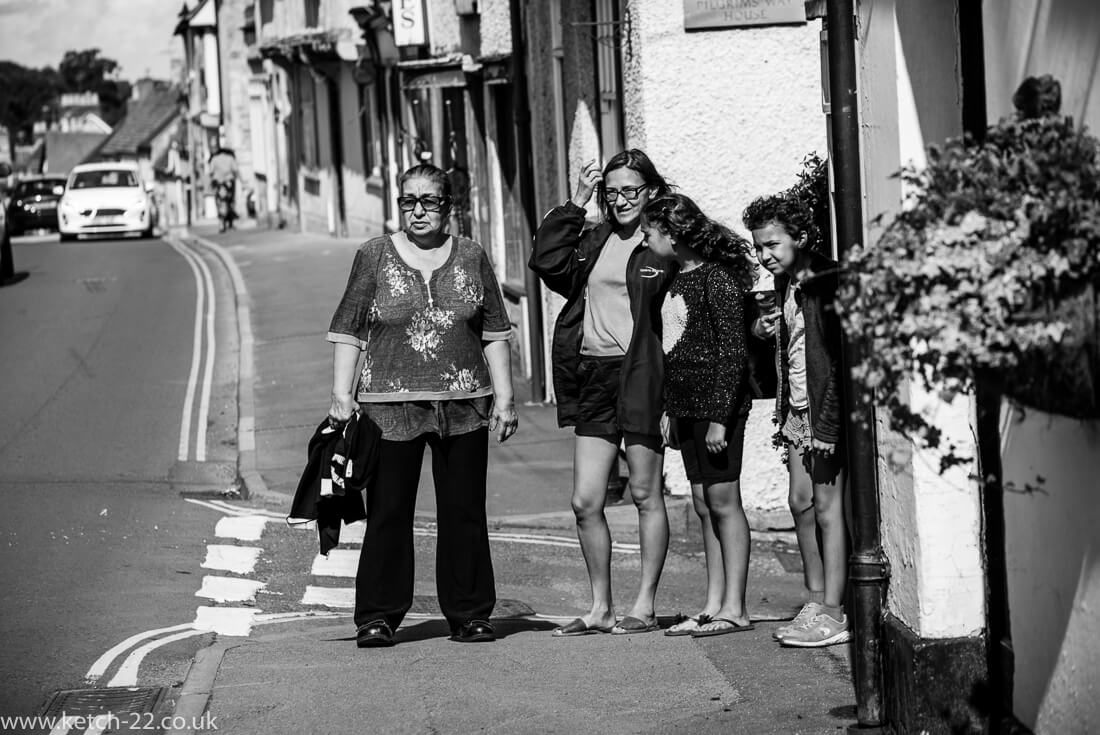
(687, 625)
(631, 624)
(731, 628)
(578, 627)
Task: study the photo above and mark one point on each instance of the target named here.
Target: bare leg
(644, 459)
(716, 581)
(801, 500)
(592, 460)
(732, 529)
(829, 512)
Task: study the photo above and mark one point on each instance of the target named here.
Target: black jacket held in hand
(341, 465)
(564, 256)
(816, 294)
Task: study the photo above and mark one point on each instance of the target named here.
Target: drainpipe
(868, 570)
(524, 144)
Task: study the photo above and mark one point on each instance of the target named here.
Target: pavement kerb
(197, 687)
(252, 481)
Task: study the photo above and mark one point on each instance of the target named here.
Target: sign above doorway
(701, 15)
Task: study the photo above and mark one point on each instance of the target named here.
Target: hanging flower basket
(992, 267)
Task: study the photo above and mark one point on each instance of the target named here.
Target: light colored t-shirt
(608, 323)
(796, 349)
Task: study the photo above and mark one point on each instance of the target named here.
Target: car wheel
(66, 237)
(148, 231)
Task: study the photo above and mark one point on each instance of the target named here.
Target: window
(106, 179)
(307, 117)
(609, 87)
(313, 13)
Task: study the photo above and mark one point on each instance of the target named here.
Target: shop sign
(410, 23)
(704, 14)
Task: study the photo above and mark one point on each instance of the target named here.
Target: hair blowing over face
(683, 221)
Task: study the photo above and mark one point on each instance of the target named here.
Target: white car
(105, 199)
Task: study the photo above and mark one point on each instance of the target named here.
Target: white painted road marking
(128, 673)
(229, 589)
(236, 621)
(339, 563)
(236, 559)
(338, 597)
(242, 528)
(196, 353)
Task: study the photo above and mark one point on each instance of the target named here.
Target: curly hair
(785, 210)
(636, 160)
(680, 217)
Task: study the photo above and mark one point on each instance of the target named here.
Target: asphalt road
(97, 545)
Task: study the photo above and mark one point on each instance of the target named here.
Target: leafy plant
(991, 268)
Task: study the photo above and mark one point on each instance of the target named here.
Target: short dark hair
(1038, 97)
(431, 173)
(635, 160)
(681, 219)
(786, 211)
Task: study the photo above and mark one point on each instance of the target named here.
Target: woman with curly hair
(706, 393)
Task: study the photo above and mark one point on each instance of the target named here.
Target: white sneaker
(803, 618)
(821, 631)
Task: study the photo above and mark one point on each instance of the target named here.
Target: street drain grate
(117, 709)
(427, 605)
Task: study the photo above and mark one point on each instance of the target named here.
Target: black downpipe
(868, 570)
(524, 144)
(337, 133)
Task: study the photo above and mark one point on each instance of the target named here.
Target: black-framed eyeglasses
(429, 202)
(629, 193)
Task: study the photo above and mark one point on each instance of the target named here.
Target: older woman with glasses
(426, 309)
(607, 368)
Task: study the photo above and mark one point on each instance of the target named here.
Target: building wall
(364, 210)
(1053, 559)
(1033, 37)
(235, 75)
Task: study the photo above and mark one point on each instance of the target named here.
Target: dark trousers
(463, 567)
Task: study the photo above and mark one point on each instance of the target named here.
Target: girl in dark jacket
(808, 409)
(607, 369)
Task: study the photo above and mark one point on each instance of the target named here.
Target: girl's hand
(668, 432)
(716, 437)
(342, 408)
(766, 326)
(504, 420)
(826, 448)
(586, 184)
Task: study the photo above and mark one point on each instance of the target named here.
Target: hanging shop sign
(706, 14)
(410, 23)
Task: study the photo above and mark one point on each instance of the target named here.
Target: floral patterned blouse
(423, 339)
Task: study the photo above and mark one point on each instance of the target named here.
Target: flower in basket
(991, 268)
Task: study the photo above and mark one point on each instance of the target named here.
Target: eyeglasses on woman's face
(429, 202)
(629, 193)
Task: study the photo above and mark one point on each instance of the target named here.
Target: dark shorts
(700, 465)
(598, 399)
(823, 469)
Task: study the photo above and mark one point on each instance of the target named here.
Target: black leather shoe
(474, 631)
(374, 634)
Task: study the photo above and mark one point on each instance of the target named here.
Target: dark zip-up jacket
(816, 295)
(563, 258)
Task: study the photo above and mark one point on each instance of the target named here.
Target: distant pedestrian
(223, 180)
(607, 370)
(808, 409)
(428, 312)
(707, 398)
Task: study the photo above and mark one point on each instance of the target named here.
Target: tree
(23, 94)
(87, 71)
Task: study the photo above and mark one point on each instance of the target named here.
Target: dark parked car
(33, 204)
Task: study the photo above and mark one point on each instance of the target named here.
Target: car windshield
(44, 187)
(106, 178)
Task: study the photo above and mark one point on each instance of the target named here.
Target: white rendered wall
(931, 522)
(1053, 559)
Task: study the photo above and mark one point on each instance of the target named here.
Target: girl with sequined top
(706, 393)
